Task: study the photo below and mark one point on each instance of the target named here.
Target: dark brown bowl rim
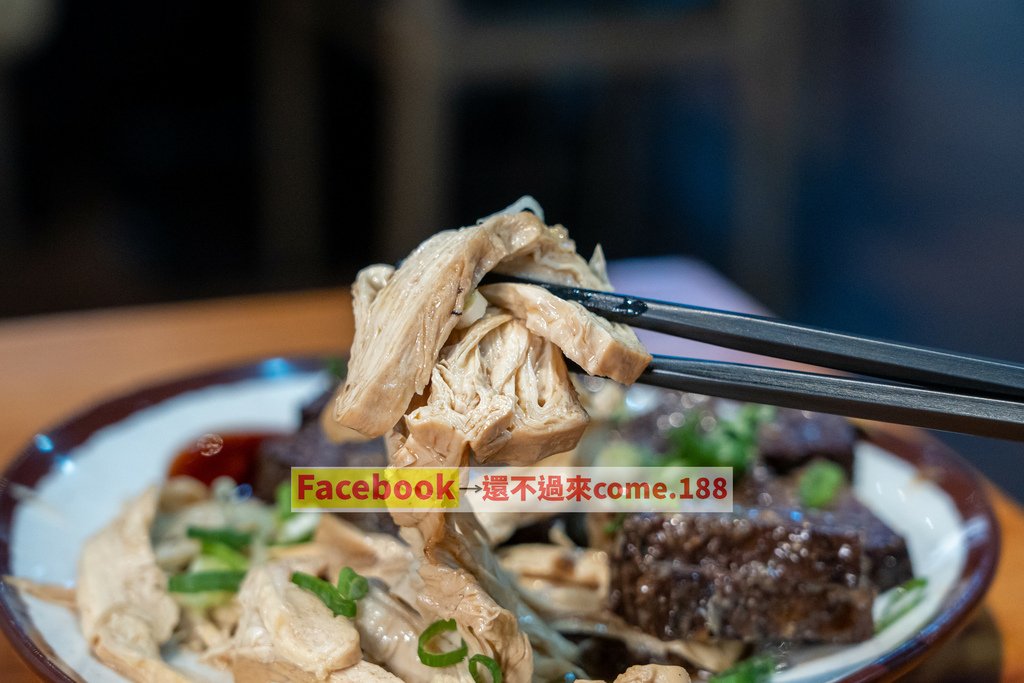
(944, 467)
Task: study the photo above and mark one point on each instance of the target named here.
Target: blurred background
(858, 165)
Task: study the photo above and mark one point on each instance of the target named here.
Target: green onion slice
(901, 600)
(229, 537)
(752, 670)
(296, 540)
(614, 524)
(476, 661)
(327, 593)
(283, 500)
(725, 443)
(351, 585)
(440, 659)
(201, 582)
(337, 367)
(225, 554)
(820, 483)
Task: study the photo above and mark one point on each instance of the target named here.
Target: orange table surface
(52, 366)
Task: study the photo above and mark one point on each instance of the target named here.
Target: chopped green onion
(283, 500)
(199, 582)
(351, 585)
(726, 443)
(225, 554)
(476, 660)
(229, 537)
(327, 593)
(901, 600)
(299, 528)
(296, 540)
(753, 670)
(612, 526)
(750, 418)
(440, 659)
(820, 483)
(203, 600)
(337, 367)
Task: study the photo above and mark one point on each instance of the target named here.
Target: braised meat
(310, 447)
(885, 551)
(888, 560)
(795, 437)
(755, 575)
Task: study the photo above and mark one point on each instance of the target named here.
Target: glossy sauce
(219, 455)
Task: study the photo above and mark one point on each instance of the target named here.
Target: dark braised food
(885, 552)
(799, 559)
(754, 575)
(310, 447)
(795, 437)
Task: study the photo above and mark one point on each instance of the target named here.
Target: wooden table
(51, 366)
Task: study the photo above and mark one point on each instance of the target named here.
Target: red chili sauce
(219, 455)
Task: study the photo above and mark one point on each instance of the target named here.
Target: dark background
(858, 165)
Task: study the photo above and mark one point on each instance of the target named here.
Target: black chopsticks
(935, 389)
(851, 396)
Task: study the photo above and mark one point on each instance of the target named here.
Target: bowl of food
(155, 537)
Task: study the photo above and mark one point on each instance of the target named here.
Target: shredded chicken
(200, 633)
(452, 593)
(123, 640)
(405, 317)
(600, 347)
(180, 493)
(500, 526)
(716, 656)
(368, 284)
(52, 593)
(362, 672)
(558, 581)
(338, 543)
(123, 605)
(554, 259)
(250, 670)
(390, 630)
(465, 545)
(651, 673)
(282, 622)
(502, 394)
(404, 324)
(485, 383)
(460, 578)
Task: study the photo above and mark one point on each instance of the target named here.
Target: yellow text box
(368, 488)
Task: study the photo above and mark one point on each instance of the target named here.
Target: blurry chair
(427, 50)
